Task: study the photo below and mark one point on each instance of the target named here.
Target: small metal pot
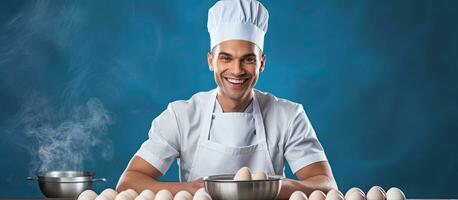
(64, 184)
(222, 187)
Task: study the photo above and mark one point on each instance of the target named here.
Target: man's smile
(236, 83)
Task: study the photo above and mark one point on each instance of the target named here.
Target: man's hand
(140, 175)
(195, 185)
(316, 176)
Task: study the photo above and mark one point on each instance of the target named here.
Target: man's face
(236, 65)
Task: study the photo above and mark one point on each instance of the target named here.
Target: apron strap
(207, 117)
(260, 127)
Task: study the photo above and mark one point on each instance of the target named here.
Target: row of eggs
(130, 194)
(375, 193)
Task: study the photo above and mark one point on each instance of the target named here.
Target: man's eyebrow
(248, 55)
(224, 54)
(229, 55)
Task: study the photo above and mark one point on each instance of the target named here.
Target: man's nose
(237, 68)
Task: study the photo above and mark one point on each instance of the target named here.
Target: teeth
(235, 81)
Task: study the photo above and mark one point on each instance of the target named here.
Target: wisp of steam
(62, 138)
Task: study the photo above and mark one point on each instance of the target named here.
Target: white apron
(212, 158)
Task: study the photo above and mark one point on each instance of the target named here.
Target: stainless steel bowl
(223, 187)
(64, 184)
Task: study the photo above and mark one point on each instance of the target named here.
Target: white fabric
(228, 159)
(233, 128)
(237, 20)
(174, 134)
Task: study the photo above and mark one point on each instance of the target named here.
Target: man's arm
(316, 176)
(140, 175)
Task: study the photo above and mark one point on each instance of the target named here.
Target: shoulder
(191, 105)
(270, 103)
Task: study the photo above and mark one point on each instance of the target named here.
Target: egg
(123, 196)
(109, 193)
(259, 176)
(200, 190)
(202, 196)
(140, 197)
(183, 195)
(335, 192)
(355, 194)
(381, 189)
(244, 174)
(354, 189)
(164, 195)
(334, 195)
(376, 193)
(395, 194)
(148, 194)
(317, 195)
(132, 193)
(103, 197)
(298, 195)
(87, 195)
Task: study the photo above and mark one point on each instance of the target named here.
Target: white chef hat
(237, 20)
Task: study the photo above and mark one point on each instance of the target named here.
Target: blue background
(378, 80)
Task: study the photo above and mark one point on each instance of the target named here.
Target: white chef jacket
(174, 134)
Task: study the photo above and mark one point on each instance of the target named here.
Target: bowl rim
(77, 176)
(228, 178)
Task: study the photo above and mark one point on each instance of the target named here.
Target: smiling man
(234, 125)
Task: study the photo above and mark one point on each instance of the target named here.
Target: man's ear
(210, 61)
(263, 63)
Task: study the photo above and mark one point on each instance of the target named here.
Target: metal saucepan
(64, 184)
(221, 187)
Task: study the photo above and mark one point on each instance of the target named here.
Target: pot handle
(32, 178)
(99, 179)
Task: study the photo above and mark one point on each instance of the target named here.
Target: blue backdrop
(80, 82)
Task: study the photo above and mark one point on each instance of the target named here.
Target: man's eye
(224, 58)
(250, 60)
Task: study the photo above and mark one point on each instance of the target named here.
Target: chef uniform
(207, 141)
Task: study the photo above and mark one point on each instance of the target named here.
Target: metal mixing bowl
(223, 187)
(64, 184)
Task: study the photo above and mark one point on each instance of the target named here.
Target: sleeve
(162, 146)
(302, 146)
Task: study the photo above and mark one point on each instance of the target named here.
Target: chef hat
(237, 20)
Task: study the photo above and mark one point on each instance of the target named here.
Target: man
(234, 125)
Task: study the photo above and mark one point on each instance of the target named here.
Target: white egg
(259, 176)
(183, 195)
(132, 193)
(317, 195)
(244, 174)
(102, 197)
(148, 194)
(334, 195)
(335, 192)
(298, 195)
(123, 196)
(109, 193)
(141, 197)
(200, 190)
(164, 195)
(380, 188)
(87, 195)
(376, 193)
(355, 195)
(202, 196)
(354, 189)
(395, 194)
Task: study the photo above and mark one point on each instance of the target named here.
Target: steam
(62, 138)
(59, 134)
